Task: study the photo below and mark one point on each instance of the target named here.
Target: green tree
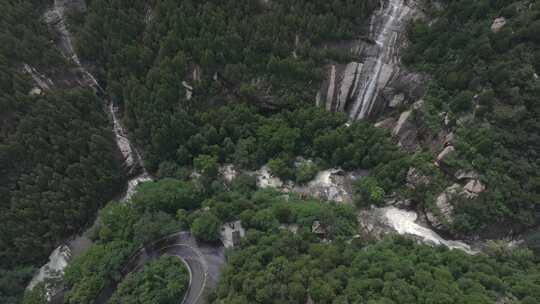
(206, 227)
(162, 281)
(368, 191)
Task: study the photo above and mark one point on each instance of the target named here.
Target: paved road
(204, 262)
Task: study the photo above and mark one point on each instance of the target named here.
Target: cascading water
(60, 257)
(380, 68)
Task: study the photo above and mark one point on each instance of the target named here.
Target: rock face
(349, 84)
(498, 24)
(416, 179)
(356, 88)
(42, 82)
(443, 214)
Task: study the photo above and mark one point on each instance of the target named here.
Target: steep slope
(57, 158)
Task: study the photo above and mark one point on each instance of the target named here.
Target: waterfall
(380, 68)
(133, 161)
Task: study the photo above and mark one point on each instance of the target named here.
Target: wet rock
(399, 203)
(498, 24)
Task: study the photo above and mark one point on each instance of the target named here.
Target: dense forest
(269, 55)
(275, 265)
(206, 83)
(287, 268)
(488, 83)
(57, 159)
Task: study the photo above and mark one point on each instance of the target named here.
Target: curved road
(204, 262)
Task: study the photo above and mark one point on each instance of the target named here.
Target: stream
(332, 184)
(60, 257)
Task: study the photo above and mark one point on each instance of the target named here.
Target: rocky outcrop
(405, 131)
(415, 178)
(189, 90)
(473, 188)
(42, 82)
(442, 214)
(498, 24)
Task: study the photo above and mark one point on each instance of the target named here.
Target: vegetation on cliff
(487, 80)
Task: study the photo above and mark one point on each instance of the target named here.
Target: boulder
(498, 24)
(35, 91)
(473, 188)
(403, 123)
(462, 174)
(445, 153)
(406, 132)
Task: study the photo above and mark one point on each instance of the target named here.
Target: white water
(61, 256)
(404, 222)
(330, 185)
(380, 68)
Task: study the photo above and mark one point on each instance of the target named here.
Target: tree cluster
(488, 83)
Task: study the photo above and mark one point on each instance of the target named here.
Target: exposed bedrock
(366, 87)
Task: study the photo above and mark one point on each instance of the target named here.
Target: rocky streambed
(337, 185)
(55, 17)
